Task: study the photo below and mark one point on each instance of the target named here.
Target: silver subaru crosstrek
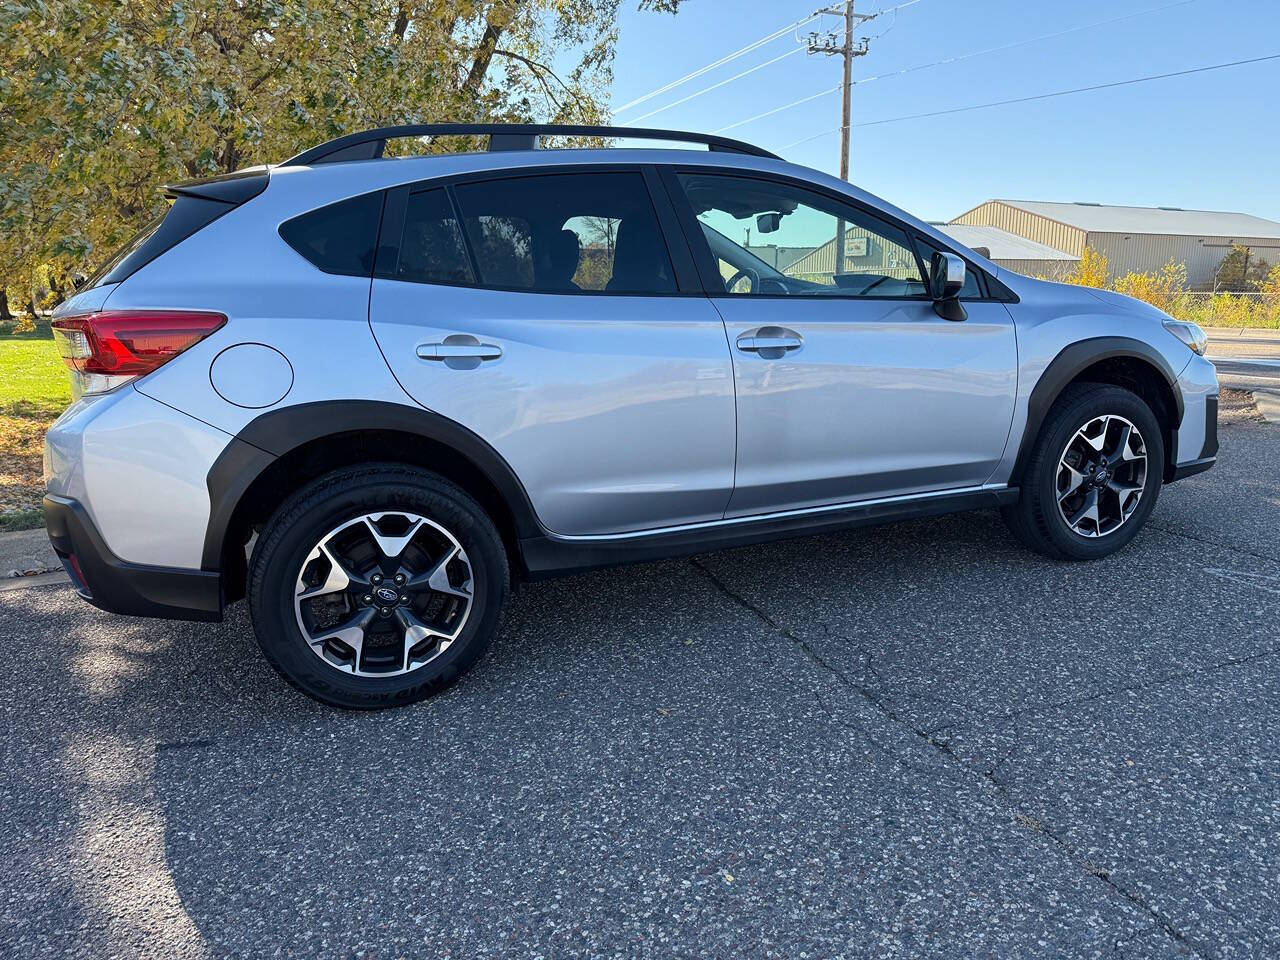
(371, 393)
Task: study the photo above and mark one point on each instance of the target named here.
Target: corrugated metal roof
(1002, 244)
(1171, 221)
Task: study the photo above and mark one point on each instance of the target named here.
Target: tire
(1036, 519)
(366, 554)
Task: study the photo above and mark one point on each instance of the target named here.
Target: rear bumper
(118, 586)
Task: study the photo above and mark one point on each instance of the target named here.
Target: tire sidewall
(1114, 401)
(298, 527)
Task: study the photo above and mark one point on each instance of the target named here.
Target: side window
(566, 233)
(339, 238)
(773, 238)
(971, 290)
(431, 248)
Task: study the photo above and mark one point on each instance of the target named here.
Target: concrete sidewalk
(1241, 333)
(26, 553)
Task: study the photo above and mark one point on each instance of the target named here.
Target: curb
(1268, 402)
(1242, 333)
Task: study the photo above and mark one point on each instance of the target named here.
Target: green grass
(34, 389)
(33, 378)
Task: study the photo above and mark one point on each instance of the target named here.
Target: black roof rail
(369, 144)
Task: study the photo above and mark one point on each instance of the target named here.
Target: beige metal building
(1134, 239)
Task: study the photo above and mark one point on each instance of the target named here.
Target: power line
(957, 59)
(718, 63)
(721, 83)
(785, 106)
(1042, 96)
(1021, 43)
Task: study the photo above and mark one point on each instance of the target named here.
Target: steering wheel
(749, 274)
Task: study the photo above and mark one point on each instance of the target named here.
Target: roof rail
(370, 144)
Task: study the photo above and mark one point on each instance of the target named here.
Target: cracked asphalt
(917, 740)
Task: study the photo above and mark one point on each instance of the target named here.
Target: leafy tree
(103, 100)
(1241, 270)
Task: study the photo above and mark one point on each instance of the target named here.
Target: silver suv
(370, 393)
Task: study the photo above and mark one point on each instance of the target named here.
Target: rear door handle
(459, 351)
(770, 342)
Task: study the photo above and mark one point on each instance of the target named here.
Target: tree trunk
(4, 305)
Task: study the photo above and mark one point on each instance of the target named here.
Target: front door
(543, 313)
(849, 386)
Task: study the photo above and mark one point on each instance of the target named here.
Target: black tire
(1035, 519)
(323, 505)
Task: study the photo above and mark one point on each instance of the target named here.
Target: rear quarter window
(339, 238)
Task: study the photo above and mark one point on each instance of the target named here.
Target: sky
(1207, 141)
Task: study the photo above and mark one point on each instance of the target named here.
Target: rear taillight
(105, 349)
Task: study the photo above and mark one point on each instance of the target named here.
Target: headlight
(1189, 333)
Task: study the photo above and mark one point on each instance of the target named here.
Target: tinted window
(339, 238)
(567, 233)
(971, 289)
(431, 250)
(773, 238)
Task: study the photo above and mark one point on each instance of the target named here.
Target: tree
(1091, 271)
(101, 101)
(1241, 270)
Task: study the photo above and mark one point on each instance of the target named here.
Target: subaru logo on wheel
(386, 595)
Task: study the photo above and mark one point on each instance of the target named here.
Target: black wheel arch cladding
(1074, 360)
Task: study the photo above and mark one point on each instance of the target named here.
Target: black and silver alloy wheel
(1101, 476)
(383, 594)
(1091, 476)
(376, 586)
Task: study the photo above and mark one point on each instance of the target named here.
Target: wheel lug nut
(400, 578)
(376, 578)
(367, 598)
(404, 598)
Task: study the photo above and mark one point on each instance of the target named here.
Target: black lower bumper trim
(118, 586)
(551, 556)
(1184, 470)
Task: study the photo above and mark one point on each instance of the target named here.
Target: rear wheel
(1093, 475)
(376, 586)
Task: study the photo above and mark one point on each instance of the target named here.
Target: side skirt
(553, 556)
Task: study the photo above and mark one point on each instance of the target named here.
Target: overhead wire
(1040, 96)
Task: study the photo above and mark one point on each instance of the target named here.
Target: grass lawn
(34, 389)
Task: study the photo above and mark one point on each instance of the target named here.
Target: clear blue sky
(1207, 141)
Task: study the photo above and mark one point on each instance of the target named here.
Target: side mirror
(946, 280)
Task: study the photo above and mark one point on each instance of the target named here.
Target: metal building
(1012, 252)
(1134, 239)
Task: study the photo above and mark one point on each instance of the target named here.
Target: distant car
(370, 393)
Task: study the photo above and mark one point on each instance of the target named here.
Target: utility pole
(847, 49)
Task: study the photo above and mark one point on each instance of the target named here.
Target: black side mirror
(946, 280)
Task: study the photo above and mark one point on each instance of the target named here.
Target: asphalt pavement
(1246, 359)
(917, 740)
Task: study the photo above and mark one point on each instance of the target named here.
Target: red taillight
(129, 343)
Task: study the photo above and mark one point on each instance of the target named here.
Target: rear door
(549, 313)
(849, 386)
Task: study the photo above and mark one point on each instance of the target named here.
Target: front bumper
(118, 586)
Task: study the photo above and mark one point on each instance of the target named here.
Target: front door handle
(459, 351)
(770, 342)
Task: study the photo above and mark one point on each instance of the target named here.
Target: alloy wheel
(1101, 476)
(383, 594)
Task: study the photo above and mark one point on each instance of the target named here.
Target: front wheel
(1093, 475)
(376, 586)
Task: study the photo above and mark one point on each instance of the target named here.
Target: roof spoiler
(370, 144)
(230, 188)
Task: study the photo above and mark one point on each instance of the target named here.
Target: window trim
(705, 260)
(678, 254)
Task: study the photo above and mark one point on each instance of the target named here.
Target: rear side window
(431, 250)
(566, 233)
(339, 238)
